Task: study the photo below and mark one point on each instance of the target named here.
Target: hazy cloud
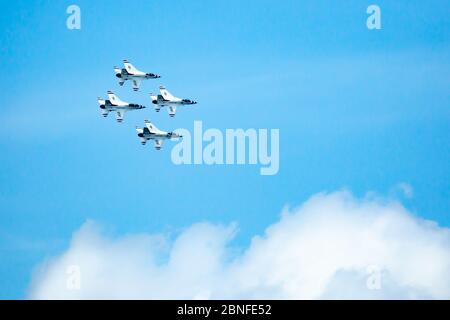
(332, 246)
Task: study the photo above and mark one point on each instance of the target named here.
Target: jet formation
(165, 99)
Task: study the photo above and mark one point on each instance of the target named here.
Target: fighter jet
(166, 99)
(133, 74)
(117, 105)
(150, 132)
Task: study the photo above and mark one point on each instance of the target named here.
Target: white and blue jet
(166, 99)
(132, 74)
(150, 132)
(114, 104)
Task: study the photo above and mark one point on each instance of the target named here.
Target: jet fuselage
(124, 75)
(111, 107)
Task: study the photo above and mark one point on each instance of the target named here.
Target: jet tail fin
(166, 94)
(150, 126)
(117, 70)
(131, 69)
(100, 101)
(113, 98)
(153, 97)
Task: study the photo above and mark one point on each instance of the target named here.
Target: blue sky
(357, 109)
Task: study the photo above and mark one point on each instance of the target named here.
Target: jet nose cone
(151, 76)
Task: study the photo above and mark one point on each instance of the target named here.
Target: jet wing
(158, 144)
(120, 115)
(104, 112)
(172, 111)
(136, 84)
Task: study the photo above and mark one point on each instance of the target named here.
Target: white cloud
(327, 248)
(404, 189)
